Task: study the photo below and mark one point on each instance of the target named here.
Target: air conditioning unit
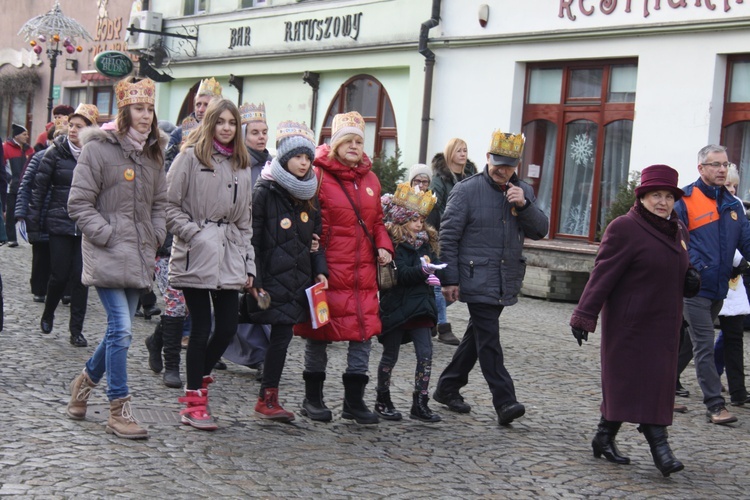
(144, 20)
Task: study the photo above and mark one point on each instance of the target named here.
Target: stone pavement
(547, 453)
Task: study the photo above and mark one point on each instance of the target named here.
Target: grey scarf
(302, 189)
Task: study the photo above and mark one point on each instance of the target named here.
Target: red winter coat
(352, 284)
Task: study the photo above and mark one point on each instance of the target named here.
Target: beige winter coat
(118, 197)
(209, 214)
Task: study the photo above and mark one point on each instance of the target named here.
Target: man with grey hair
(717, 224)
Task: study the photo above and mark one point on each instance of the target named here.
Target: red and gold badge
(304, 217)
(285, 223)
(370, 191)
(129, 174)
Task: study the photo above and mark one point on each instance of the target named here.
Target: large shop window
(365, 94)
(736, 119)
(578, 121)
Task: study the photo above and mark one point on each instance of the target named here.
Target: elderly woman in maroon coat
(640, 276)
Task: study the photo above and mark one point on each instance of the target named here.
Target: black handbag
(387, 274)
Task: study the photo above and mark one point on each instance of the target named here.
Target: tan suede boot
(121, 422)
(80, 390)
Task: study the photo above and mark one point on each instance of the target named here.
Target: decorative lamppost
(54, 29)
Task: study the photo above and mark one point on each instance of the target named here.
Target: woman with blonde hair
(352, 235)
(209, 214)
(448, 168)
(117, 199)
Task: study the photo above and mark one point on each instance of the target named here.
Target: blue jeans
(111, 355)
(442, 306)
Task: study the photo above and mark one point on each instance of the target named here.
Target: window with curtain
(578, 121)
(736, 120)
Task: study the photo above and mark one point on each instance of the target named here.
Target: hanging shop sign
(113, 64)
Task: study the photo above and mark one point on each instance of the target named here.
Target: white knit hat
(419, 169)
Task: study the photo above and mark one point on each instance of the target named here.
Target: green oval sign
(113, 64)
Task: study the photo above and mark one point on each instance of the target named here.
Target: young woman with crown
(117, 199)
(349, 194)
(208, 212)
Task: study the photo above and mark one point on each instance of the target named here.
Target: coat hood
(440, 168)
(337, 168)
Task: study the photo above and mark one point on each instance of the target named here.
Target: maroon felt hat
(657, 177)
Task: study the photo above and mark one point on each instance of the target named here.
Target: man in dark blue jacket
(718, 226)
(487, 217)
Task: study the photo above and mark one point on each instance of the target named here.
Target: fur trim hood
(440, 168)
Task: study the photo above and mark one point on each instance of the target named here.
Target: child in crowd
(286, 215)
(408, 310)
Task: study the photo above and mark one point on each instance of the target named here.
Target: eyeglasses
(421, 182)
(716, 164)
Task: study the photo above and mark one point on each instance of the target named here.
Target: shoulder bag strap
(359, 218)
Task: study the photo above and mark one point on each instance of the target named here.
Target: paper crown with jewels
(291, 128)
(187, 125)
(252, 113)
(347, 123)
(413, 200)
(209, 86)
(506, 149)
(88, 111)
(129, 92)
(61, 121)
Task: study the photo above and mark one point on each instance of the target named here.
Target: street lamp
(54, 29)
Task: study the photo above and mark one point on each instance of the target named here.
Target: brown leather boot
(121, 422)
(445, 334)
(80, 390)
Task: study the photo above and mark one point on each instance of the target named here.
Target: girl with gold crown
(285, 218)
(208, 212)
(408, 310)
(117, 198)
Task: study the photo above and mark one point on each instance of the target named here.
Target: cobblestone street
(547, 453)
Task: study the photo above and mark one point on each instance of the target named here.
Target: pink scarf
(227, 150)
(136, 139)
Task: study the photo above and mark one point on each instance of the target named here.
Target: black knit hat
(17, 129)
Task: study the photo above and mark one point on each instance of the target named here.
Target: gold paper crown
(88, 111)
(252, 113)
(414, 200)
(187, 125)
(209, 86)
(348, 123)
(289, 128)
(510, 145)
(61, 121)
(127, 93)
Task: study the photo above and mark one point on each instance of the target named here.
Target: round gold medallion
(370, 191)
(285, 223)
(129, 174)
(304, 217)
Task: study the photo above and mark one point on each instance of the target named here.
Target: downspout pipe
(429, 67)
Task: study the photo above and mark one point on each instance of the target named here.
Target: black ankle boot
(354, 404)
(384, 406)
(154, 344)
(604, 442)
(664, 459)
(171, 334)
(420, 410)
(313, 405)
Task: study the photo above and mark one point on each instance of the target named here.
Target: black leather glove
(692, 283)
(580, 335)
(739, 269)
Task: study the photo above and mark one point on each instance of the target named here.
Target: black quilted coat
(282, 235)
(54, 177)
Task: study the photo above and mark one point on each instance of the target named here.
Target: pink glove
(432, 280)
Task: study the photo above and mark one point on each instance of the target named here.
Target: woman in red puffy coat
(347, 188)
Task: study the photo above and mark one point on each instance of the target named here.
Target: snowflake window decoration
(582, 149)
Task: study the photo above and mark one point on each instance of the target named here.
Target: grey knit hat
(292, 139)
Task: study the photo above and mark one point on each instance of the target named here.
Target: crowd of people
(234, 237)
